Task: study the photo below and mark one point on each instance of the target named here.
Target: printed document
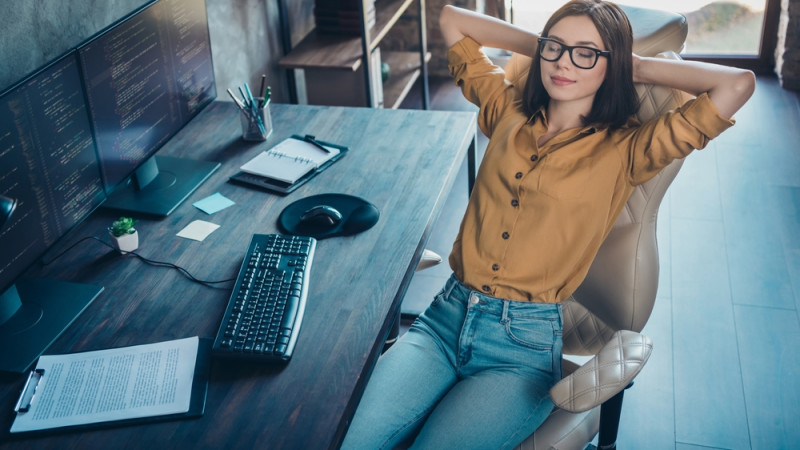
(110, 385)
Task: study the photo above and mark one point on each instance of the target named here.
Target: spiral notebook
(290, 160)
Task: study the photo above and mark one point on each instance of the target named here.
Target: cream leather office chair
(604, 316)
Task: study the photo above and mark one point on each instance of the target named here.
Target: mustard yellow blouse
(537, 215)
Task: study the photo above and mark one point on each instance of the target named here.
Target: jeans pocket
(533, 333)
(537, 343)
(439, 297)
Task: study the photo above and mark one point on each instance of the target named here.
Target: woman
(475, 369)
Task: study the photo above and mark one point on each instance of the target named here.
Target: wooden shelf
(335, 51)
(405, 70)
(333, 62)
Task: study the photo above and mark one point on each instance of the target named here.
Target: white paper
(108, 385)
(198, 230)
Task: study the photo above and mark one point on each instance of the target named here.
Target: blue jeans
(473, 371)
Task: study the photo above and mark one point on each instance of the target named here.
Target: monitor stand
(160, 185)
(36, 313)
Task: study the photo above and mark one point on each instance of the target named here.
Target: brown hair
(615, 100)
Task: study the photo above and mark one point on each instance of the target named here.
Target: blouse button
(514, 203)
(518, 175)
(486, 288)
(534, 157)
(495, 267)
(506, 235)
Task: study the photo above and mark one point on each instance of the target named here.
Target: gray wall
(245, 36)
(33, 32)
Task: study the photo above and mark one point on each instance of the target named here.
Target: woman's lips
(561, 81)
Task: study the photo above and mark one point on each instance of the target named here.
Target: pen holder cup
(256, 122)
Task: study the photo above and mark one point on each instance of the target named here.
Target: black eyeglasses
(582, 57)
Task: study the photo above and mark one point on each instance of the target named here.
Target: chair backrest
(620, 288)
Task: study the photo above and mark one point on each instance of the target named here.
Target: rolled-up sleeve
(481, 82)
(656, 143)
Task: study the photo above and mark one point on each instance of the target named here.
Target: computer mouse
(320, 218)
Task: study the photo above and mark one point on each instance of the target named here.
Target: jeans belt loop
(504, 317)
(450, 286)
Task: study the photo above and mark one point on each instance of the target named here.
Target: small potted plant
(123, 235)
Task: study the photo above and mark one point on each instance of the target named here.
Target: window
(736, 32)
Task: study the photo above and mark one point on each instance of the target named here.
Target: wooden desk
(403, 161)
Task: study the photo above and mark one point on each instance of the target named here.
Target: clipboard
(196, 409)
(280, 187)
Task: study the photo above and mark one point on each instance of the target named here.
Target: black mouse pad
(357, 215)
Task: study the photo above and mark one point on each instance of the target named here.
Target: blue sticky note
(213, 203)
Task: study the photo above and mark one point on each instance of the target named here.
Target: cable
(148, 261)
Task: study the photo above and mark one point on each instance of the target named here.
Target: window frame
(764, 62)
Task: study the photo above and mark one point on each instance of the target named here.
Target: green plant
(123, 225)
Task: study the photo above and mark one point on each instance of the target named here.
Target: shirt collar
(542, 112)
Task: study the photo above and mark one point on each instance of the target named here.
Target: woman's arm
(727, 87)
(457, 23)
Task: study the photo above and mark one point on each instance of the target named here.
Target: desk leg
(472, 161)
(394, 333)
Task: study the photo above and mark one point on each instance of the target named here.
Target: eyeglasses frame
(569, 49)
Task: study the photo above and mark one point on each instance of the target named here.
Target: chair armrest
(607, 373)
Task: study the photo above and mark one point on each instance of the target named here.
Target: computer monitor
(49, 170)
(145, 78)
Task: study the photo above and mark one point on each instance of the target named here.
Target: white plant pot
(125, 243)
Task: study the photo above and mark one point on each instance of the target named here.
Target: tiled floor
(725, 372)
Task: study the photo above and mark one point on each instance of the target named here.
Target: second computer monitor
(146, 77)
(49, 170)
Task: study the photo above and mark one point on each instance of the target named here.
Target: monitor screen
(47, 163)
(49, 168)
(145, 78)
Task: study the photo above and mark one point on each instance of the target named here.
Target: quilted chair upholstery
(605, 315)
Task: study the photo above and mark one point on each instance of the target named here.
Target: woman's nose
(564, 60)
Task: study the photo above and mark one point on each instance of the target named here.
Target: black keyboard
(266, 307)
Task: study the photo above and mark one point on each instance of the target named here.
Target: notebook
(290, 160)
